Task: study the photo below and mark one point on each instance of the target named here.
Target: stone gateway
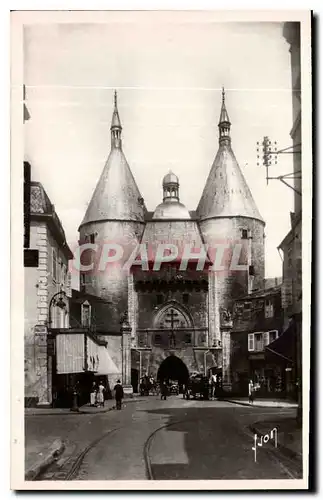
(178, 318)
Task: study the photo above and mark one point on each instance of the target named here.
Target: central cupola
(171, 187)
(171, 208)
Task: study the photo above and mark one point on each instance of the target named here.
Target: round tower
(231, 224)
(113, 224)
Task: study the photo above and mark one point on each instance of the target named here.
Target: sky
(169, 77)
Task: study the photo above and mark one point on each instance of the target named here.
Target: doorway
(134, 379)
(173, 368)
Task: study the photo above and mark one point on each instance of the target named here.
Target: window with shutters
(273, 335)
(259, 341)
(63, 277)
(59, 271)
(54, 264)
(251, 342)
(266, 338)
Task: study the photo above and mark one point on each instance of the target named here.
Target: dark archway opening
(173, 368)
(134, 379)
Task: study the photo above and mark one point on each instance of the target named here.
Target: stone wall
(110, 284)
(40, 286)
(195, 304)
(37, 381)
(231, 284)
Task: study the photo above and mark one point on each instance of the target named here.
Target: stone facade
(41, 284)
(173, 313)
(292, 243)
(259, 315)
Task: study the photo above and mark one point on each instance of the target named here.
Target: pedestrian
(93, 395)
(251, 391)
(118, 394)
(100, 394)
(213, 385)
(163, 391)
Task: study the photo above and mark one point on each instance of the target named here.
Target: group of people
(97, 395)
(147, 384)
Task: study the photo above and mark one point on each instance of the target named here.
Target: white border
(17, 312)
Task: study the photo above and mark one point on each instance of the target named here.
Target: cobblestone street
(173, 439)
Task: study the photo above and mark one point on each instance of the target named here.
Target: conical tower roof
(226, 193)
(116, 196)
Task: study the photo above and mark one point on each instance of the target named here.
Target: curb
(242, 403)
(55, 450)
(80, 412)
(287, 452)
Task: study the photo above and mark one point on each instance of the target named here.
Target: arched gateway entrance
(173, 368)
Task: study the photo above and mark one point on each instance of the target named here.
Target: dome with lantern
(171, 207)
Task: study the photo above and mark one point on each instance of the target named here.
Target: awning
(106, 365)
(284, 347)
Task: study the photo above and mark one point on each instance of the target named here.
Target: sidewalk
(85, 409)
(262, 403)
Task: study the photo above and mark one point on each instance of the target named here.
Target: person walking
(213, 381)
(100, 394)
(163, 391)
(93, 395)
(251, 391)
(118, 394)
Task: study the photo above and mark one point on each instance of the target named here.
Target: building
(166, 320)
(47, 288)
(291, 245)
(257, 326)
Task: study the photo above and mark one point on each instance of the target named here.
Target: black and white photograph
(161, 163)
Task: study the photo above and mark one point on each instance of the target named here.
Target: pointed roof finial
(224, 117)
(115, 116)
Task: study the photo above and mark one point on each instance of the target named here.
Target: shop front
(79, 358)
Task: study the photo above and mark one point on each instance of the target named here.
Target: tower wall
(231, 284)
(110, 283)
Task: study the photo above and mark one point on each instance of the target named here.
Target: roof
(79, 296)
(116, 196)
(178, 233)
(42, 208)
(171, 210)
(224, 117)
(115, 122)
(170, 178)
(261, 293)
(226, 193)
